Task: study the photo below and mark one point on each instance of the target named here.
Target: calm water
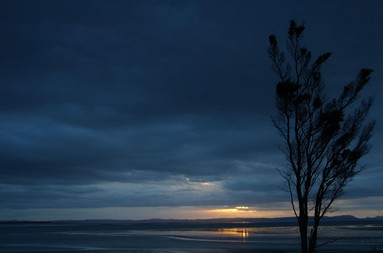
(181, 237)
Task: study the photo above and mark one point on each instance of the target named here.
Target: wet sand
(80, 238)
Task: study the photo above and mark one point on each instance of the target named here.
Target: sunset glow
(244, 212)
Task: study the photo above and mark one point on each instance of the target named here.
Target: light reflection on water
(234, 234)
(239, 233)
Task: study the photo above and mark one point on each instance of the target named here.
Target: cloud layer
(160, 103)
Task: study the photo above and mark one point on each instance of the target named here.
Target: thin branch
(292, 198)
(332, 241)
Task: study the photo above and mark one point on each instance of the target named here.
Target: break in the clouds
(162, 104)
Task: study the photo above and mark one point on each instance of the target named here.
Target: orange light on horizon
(235, 212)
(245, 212)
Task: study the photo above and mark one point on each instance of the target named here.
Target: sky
(162, 109)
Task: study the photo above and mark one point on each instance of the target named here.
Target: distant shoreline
(340, 218)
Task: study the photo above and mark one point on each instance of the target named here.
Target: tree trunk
(313, 236)
(303, 233)
(313, 240)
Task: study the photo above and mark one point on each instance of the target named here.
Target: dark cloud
(147, 103)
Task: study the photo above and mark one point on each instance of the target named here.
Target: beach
(180, 238)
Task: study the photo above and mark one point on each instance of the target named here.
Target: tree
(322, 139)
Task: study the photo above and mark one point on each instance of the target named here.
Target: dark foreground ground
(183, 237)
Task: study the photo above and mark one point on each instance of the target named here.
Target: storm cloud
(162, 103)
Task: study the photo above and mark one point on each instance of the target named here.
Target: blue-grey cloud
(161, 103)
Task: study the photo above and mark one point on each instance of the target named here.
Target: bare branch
(332, 241)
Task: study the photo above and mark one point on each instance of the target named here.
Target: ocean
(182, 237)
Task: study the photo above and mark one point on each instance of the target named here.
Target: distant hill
(213, 223)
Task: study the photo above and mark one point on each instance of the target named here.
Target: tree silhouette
(322, 139)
